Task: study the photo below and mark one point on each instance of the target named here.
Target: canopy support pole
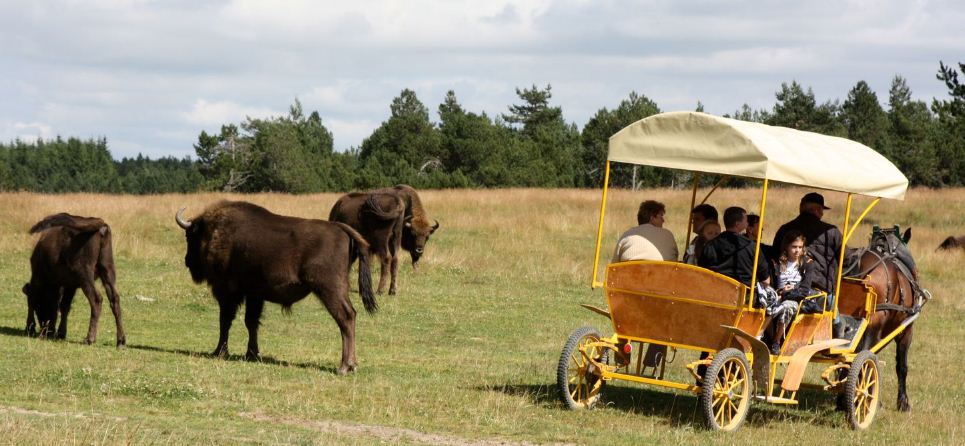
(594, 283)
(757, 246)
(690, 220)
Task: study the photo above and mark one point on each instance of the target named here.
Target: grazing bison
(249, 255)
(379, 217)
(71, 253)
(952, 243)
(417, 226)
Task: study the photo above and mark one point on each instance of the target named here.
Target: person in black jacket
(824, 243)
(731, 253)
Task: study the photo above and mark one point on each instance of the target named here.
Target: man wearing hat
(823, 242)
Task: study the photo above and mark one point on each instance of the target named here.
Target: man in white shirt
(649, 240)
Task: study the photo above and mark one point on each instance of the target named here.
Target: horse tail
(358, 247)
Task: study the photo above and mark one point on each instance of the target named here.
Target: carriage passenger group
(801, 261)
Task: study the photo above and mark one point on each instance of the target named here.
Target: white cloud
(152, 75)
(205, 114)
(29, 131)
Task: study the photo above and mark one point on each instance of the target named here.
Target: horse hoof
(391, 292)
(252, 357)
(121, 343)
(87, 341)
(904, 406)
(220, 353)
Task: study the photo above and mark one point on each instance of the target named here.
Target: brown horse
(891, 271)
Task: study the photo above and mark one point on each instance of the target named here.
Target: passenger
(649, 240)
(824, 245)
(793, 273)
(699, 214)
(708, 231)
(731, 253)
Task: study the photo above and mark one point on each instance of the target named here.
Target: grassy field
(465, 353)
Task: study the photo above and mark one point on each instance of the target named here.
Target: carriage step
(774, 399)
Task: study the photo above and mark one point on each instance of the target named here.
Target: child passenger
(792, 271)
(708, 231)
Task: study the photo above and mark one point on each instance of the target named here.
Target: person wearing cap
(824, 241)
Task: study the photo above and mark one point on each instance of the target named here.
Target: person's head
(735, 219)
(792, 245)
(752, 221)
(813, 203)
(651, 212)
(700, 214)
(709, 230)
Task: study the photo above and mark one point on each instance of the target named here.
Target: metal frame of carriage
(657, 308)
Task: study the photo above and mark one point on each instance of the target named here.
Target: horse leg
(65, 303)
(902, 344)
(253, 309)
(336, 301)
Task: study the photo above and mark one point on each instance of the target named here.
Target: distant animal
(952, 243)
(417, 226)
(72, 253)
(249, 255)
(379, 217)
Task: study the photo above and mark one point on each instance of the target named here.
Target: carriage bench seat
(673, 303)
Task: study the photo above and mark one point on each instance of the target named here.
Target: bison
(952, 243)
(72, 253)
(373, 214)
(249, 255)
(379, 217)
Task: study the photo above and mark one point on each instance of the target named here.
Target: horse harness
(887, 253)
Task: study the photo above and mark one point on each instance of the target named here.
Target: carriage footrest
(774, 399)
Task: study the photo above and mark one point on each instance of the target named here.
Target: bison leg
(31, 322)
(95, 300)
(115, 300)
(229, 308)
(253, 309)
(338, 305)
(901, 368)
(65, 303)
(383, 272)
(395, 271)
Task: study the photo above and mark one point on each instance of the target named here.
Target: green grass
(465, 354)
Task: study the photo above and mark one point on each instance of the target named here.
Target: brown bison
(952, 243)
(417, 226)
(71, 253)
(379, 217)
(249, 255)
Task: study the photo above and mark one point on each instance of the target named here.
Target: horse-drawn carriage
(659, 307)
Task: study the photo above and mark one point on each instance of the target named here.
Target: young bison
(71, 253)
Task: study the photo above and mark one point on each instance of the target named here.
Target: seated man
(698, 216)
(649, 240)
(731, 253)
(823, 244)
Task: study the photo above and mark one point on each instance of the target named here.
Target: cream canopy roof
(705, 143)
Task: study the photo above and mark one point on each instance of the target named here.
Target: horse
(890, 270)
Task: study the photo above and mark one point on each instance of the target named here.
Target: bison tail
(82, 224)
(359, 247)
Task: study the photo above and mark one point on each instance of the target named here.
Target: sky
(151, 75)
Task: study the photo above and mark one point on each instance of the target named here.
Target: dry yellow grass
(466, 351)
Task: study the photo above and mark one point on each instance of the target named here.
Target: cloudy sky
(150, 75)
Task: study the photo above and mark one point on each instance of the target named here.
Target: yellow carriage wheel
(862, 390)
(579, 382)
(725, 392)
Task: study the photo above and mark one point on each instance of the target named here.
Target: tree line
(531, 145)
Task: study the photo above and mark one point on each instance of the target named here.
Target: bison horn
(435, 226)
(181, 222)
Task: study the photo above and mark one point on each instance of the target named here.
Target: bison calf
(71, 253)
(249, 255)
